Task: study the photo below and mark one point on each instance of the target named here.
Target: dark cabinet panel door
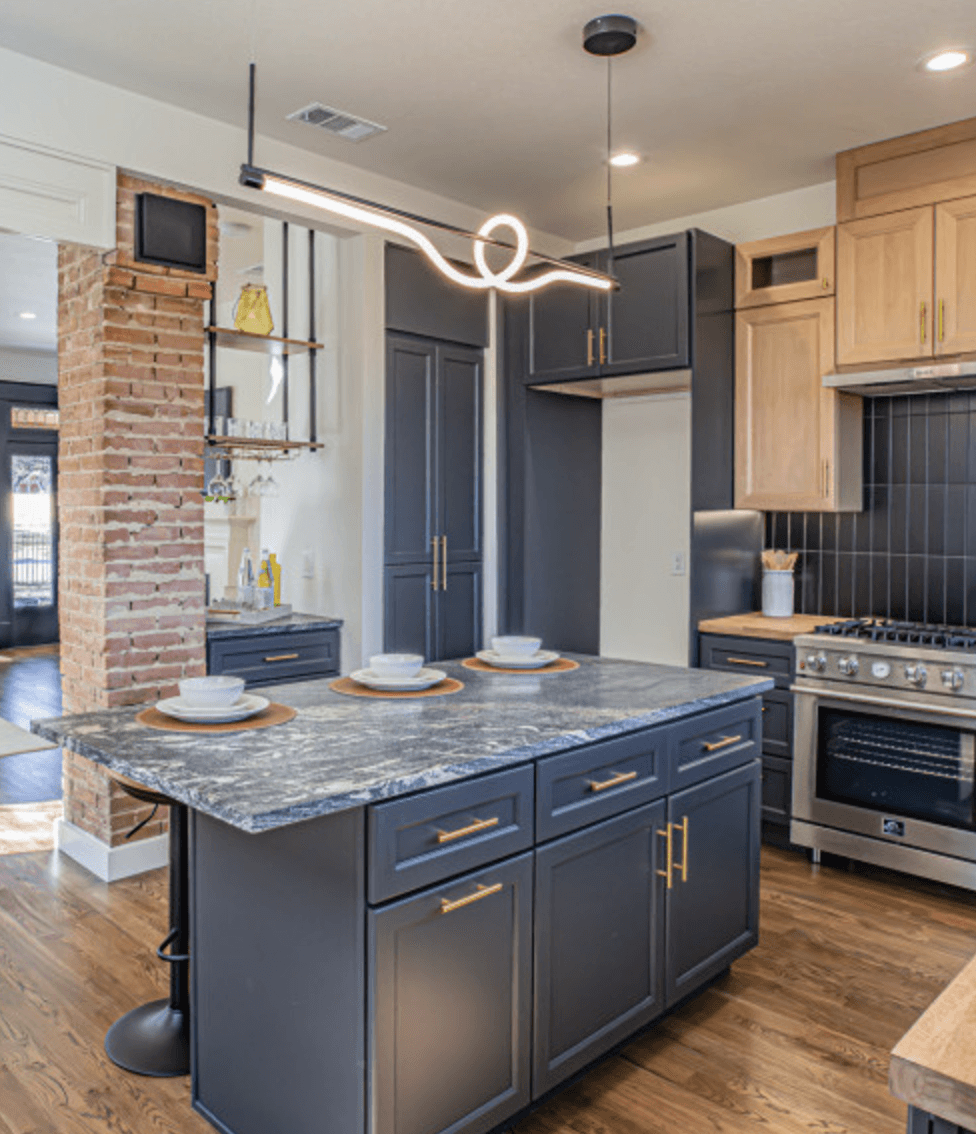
(647, 318)
(459, 450)
(713, 903)
(411, 505)
(563, 339)
(598, 941)
(409, 615)
(449, 1004)
(777, 790)
(459, 612)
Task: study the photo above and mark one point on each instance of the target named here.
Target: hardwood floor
(795, 1039)
(30, 687)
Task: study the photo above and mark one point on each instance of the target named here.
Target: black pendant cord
(609, 167)
(252, 68)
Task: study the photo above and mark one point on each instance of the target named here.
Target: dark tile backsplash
(912, 552)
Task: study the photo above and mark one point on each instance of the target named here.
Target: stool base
(150, 1040)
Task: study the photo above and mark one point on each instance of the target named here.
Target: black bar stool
(154, 1039)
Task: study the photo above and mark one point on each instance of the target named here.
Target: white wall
(40, 366)
(646, 521)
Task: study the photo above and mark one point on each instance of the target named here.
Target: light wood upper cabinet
(955, 277)
(797, 444)
(884, 287)
(785, 268)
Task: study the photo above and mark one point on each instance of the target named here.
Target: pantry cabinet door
(955, 276)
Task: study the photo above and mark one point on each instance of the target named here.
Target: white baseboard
(110, 863)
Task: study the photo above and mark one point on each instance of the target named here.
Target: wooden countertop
(757, 625)
(933, 1066)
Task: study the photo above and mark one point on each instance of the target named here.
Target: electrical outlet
(678, 565)
(308, 564)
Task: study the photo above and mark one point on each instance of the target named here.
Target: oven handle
(886, 703)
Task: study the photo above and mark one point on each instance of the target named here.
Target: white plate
(423, 680)
(533, 661)
(247, 706)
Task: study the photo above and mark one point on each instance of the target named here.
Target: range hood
(927, 379)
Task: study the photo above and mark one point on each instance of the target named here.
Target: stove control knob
(916, 674)
(848, 666)
(817, 663)
(952, 679)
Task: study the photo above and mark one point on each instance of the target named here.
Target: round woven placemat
(272, 715)
(561, 665)
(354, 689)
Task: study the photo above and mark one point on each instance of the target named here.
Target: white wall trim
(110, 863)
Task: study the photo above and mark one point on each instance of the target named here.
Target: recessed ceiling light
(624, 159)
(27, 315)
(950, 59)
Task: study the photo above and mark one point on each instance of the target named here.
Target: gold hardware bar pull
(281, 657)
(444, 568)
(480, 892)
(589, 347)
(748, 661)
(617, 778)
(471, 829)
(603, 345)
(434, 582)
(683, 864)
(941, 320)
(826, 283)
(667, 873)
(922, 323)
(725, 742)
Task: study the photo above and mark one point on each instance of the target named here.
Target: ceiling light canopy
(948, 59)
(624, 159)
(610, 35)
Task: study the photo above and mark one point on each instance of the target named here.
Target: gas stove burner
(903, 633)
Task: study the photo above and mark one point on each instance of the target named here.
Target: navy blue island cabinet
(439, 962)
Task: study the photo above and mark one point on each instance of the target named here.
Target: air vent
(337, 122)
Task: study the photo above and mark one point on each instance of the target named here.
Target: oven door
(871, 766)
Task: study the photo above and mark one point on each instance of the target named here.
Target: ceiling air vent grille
(337, 122)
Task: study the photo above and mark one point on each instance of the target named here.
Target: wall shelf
(260, 447)
(269, 344)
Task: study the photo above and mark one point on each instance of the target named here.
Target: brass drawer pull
(725, 742)
(748, 661)
(666, 834)
(480, 892)
(282, 657)
(619, 778)
(472, 829)
(683, 864)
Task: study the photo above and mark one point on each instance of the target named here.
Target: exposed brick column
(131, 576)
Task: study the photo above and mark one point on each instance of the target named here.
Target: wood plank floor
(795, 1039)
(30, 688)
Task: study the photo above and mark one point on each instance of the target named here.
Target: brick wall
(131, 577)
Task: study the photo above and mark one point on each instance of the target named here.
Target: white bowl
(396, 665)
(515, 646)
(219, 691)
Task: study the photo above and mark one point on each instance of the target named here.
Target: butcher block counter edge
(757, 625)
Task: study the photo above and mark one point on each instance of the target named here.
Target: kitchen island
(421, 916)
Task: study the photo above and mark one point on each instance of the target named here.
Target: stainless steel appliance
(884, 746)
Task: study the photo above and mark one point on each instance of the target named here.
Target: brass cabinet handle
(723, 743)
(480, 892)
(281, 657)
(471, 829)
(444, 570)
(589, 347)
(826, 283)
(826, 477)
(434, 582)
(683, 864)
(617, 778)
(922, 323)
(603, 345)
(941, 320)
(748, 661)
(666, 834)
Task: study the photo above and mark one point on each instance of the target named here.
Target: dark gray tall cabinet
(433, 531)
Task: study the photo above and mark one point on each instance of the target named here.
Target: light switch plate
(678, 564)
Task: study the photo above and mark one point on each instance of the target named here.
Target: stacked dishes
(212, 700)
(398, 673)
(515, 652)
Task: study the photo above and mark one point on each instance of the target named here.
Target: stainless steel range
(885, 744)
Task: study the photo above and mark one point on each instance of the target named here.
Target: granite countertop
(224, 628)
(342, 752)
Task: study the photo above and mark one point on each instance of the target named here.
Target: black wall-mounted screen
(170, 232)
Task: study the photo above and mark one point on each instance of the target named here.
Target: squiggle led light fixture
(395, 221)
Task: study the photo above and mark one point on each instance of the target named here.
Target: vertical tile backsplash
(912, 552)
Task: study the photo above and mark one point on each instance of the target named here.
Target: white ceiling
(496, 104)
(28, 282)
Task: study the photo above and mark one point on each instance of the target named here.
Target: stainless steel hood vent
(927, 379)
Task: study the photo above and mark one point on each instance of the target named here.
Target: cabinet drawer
(264, 659)
(593, 783)
(755, 656)
(777, 724)
(713, 743)
(425, 838)
(777, 789)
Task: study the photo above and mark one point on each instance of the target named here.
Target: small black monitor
(171, 232)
